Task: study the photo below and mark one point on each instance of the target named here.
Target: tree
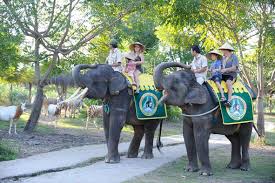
(237, 21)
(53, 25)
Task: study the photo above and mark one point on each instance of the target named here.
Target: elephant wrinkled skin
(112, 87)
(182, 90)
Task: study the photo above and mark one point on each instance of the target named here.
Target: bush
(7, 151)
(174, 113)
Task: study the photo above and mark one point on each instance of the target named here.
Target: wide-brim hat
(129, 56)
(132, 46)
(226, 46)
(216, 52)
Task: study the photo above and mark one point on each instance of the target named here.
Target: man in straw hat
(199, 64)
(230, 68)
(114, 58)
(215, 70)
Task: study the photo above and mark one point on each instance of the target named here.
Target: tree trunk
(36, 109)
(30, 92)
(10, 95)
(260, 84)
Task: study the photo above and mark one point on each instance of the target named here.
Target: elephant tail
(159, 143)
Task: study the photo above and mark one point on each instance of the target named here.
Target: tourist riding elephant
(102, 82)
(182, 90)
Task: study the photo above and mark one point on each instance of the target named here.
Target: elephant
(181, 89)
(114, 89)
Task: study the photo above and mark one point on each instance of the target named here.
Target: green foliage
(174, 113)
(8, 151)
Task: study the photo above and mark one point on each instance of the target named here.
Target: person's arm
(118, 59)
(142, 60)
(235, 64)
(204, 66)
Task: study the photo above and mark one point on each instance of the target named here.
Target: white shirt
(115, 57)
(199, 62)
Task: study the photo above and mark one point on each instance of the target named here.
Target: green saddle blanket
(241, 110)
(146, 101)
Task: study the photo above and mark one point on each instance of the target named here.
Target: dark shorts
(227, 77)
(216, 78)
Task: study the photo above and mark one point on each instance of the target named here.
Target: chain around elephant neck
(202, 114)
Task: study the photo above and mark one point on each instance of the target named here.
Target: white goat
(11, 114)
(54, 110)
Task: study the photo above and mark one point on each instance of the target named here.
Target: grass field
(262, 168)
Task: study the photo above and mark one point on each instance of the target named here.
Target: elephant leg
(245, 134)
(135, 143)
(150, 128)
(235, 151)
(116, 122)
(106, 125)
(202, 134)
(190, 145)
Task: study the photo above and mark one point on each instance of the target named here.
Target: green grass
(21, 123)
(269, 118)
(8, 150)
(262, 171)
(262, 168)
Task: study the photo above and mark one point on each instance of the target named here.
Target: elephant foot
(112, 160)
(192, 168)
(233, 165)
(245, 166)
(132, 155)
(206, 172)
(147, 156)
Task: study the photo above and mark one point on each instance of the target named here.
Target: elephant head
(100, 79)
(180, 87)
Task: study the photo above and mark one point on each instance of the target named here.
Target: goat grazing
(54, 111)
(47, 101)
(94, 111)
(11, 114)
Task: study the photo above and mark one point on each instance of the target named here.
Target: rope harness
(202, 114)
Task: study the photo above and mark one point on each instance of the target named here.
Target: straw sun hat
(226, 46)
(132, 46)
(216, 52)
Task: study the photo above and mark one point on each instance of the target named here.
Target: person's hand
(223, 70)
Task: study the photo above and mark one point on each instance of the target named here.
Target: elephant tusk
(75, 93)
(73, 97)
(80, 95)
(163, 98)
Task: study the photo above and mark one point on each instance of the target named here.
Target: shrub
(7, 151)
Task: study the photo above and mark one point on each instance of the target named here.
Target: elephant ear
(117, 83)
(196, 95)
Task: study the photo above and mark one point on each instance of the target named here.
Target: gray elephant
(112, 87)
(182, 90)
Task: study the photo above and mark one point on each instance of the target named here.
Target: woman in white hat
(137, 50)
(215, 70)
(230, 68)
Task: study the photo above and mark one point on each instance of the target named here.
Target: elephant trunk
(158, 73)
(76, 73)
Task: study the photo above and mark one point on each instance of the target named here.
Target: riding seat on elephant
(181, 89)
(102, 82)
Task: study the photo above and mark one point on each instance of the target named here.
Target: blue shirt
(217, 65)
